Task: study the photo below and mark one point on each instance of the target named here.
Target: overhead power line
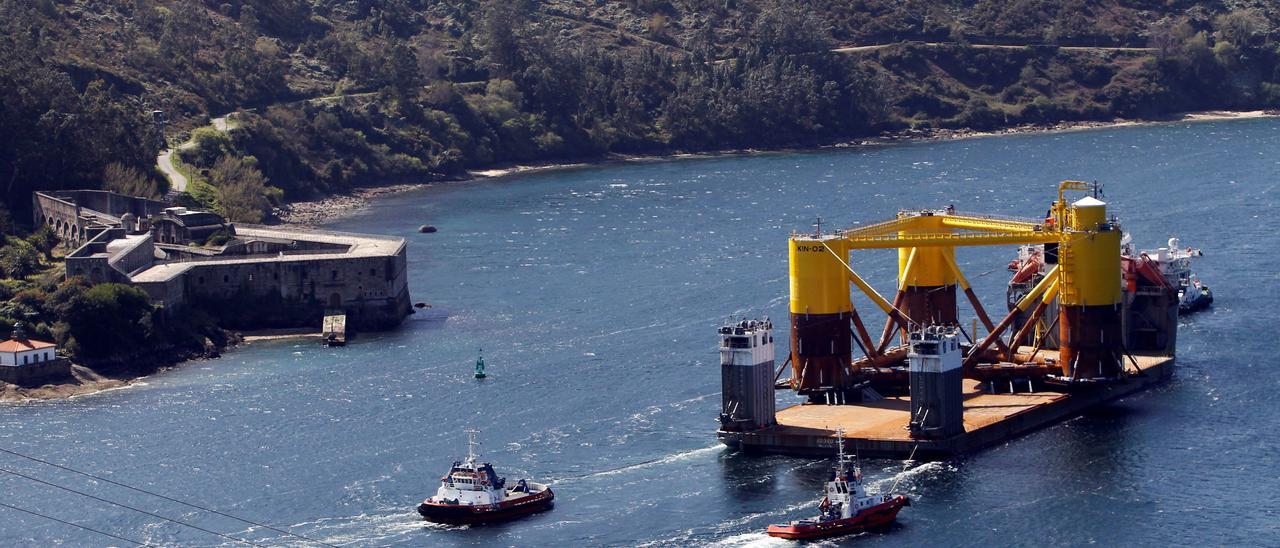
(85, 527)
(170, 499)
(127, 507)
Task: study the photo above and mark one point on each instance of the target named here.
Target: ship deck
(879, 428)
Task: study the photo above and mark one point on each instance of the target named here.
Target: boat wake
(751, 540)
(908, 475)
(672, 458)
(380, 528)
(744, 539)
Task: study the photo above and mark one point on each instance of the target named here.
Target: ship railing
(871, 228)
(999, 217)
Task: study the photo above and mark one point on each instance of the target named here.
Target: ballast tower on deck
(936, 383)
(746, 376)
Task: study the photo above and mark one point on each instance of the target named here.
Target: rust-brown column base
(821, 351)
(1091, 344)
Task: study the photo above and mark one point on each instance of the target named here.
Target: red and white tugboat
(846, 508)
(473, 493)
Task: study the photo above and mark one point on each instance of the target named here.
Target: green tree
(130, 181)
(62, 299)
(109, 319)
(402, 71)
(240, 189)
(1167, 37)
(44, 239)
(1241, 27)
(502, 25)
(6, 222)
(208, 144)
(790, 28)
(19, 259)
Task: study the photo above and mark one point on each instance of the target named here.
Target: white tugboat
(846, 508)
(1175, 264)
(473, 493)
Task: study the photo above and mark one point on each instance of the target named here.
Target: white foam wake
(675, 457)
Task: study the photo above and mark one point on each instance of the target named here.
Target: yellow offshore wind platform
(926, 382)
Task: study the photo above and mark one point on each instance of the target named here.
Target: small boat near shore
(846, 508)
(472, 493)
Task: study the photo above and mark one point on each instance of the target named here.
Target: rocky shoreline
(318, 212)
(91, 380)
(83, 381)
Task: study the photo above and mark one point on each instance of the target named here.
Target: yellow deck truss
(916, 229)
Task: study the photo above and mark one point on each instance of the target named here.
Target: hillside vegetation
(336, 94)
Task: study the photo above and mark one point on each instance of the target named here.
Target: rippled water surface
(595, 293)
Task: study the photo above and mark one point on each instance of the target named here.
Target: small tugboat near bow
(846, 508)
(473, 493)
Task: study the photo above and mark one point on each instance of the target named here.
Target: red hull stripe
(871, 517)
(462, 514)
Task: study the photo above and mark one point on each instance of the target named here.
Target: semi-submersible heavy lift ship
(924, 384)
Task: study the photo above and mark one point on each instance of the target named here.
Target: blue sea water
(595, 293)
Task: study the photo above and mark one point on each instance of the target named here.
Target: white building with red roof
(19, 350)
(29, 362)
(17, 353)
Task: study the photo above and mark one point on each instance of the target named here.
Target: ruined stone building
(181, 257)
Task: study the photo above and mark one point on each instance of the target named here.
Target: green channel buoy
(480, 365)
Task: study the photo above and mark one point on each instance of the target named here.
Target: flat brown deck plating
(879, 429)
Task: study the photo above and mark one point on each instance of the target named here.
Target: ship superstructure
(1174, 263)
(473, 493)
(1148, 266)
(845, 507)
(746, 375)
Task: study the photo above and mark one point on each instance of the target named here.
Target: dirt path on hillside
(177, 181)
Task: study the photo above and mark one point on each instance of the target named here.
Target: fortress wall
(373, 291)
(141, 254)
(63, 210)
(296, 286)
(92, 261)
(311, 246)
(95, 269)
(399, 265)
(36, 373)
(115, 205)
(170, 294)
(62, 215)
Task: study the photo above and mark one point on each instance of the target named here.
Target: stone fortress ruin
(181, 257)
